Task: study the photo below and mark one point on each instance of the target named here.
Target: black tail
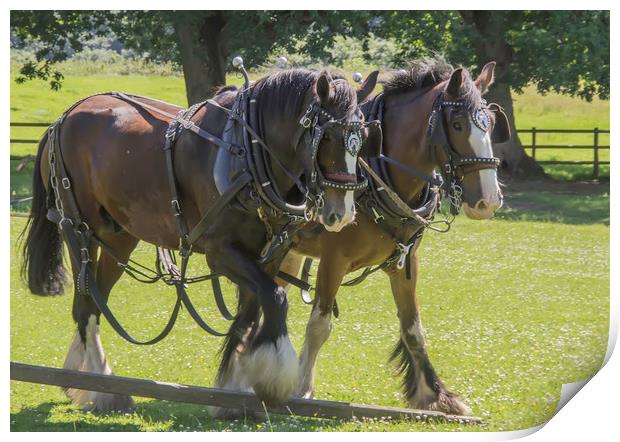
(43, 251)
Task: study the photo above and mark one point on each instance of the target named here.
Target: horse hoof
(305, 394)
(101, 402)
(230, 413)
(273, 371)
(446, 402)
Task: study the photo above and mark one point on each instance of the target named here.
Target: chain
(263, 217)
(455, 195)
(53, 176)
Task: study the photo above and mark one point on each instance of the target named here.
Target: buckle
(176, 207)
(403, 249)
(305, 122)
(377, 215)
(66, 184)
(84, 255)
(184, 250)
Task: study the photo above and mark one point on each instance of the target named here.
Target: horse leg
(422, 386)
(332, 270)
(229, 375)
(269, 364)
(86, 351)
(291, 265)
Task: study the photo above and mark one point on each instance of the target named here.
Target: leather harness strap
(185, 122)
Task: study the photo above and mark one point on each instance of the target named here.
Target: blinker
(481, 119)
(353, 142)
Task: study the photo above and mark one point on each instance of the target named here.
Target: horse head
(340, 135)
(463, 129)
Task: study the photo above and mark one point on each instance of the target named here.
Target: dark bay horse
(409, 98)
(112, 152)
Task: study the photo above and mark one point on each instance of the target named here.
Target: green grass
(559, 207)
(512, 310)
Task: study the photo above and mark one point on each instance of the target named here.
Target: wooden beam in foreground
(222, 398)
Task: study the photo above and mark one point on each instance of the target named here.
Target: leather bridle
(455, 166)
(313, 132)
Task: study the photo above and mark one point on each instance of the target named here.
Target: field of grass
(35, 102)
(513, 309)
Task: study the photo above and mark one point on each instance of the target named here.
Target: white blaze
(480, 141)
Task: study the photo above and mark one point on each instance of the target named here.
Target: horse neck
(405, 125)
(279, 131)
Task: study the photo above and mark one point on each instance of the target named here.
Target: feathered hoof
(272, 371)
(446, 402)
(231, 413)
(306, 395)
(96, 402)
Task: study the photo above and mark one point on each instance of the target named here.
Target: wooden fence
(533, 146)
(595, 146)
(216, 397)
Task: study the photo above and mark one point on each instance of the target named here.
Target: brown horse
(409, 100)
(112, 151)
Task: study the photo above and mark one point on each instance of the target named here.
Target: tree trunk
(201, 45)
(515, 161)
(492, 46)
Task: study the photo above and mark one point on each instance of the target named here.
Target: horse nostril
(482, 205)
(333, 218)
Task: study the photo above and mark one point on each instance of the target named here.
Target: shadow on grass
(552, 201)
(154, 415)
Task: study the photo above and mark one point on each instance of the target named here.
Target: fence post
(534, 142)
(596, 165)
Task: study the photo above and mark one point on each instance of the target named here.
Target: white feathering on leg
(272, 371)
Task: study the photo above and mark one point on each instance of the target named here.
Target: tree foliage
(560, 51)
(252, 34)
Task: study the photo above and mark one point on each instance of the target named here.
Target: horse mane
(222, 89)
(285, 91)
(424, 73)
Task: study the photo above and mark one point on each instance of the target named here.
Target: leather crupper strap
(79, 236)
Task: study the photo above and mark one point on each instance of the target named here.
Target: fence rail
(534, 146)
(216, 397)
(595, 146)
(26, 124)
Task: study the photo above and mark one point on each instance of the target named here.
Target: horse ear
(486, 77)
(367, 87)
(371, 147)
(454, 86)
(322, 88)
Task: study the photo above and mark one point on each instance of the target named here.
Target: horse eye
(457, 126)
